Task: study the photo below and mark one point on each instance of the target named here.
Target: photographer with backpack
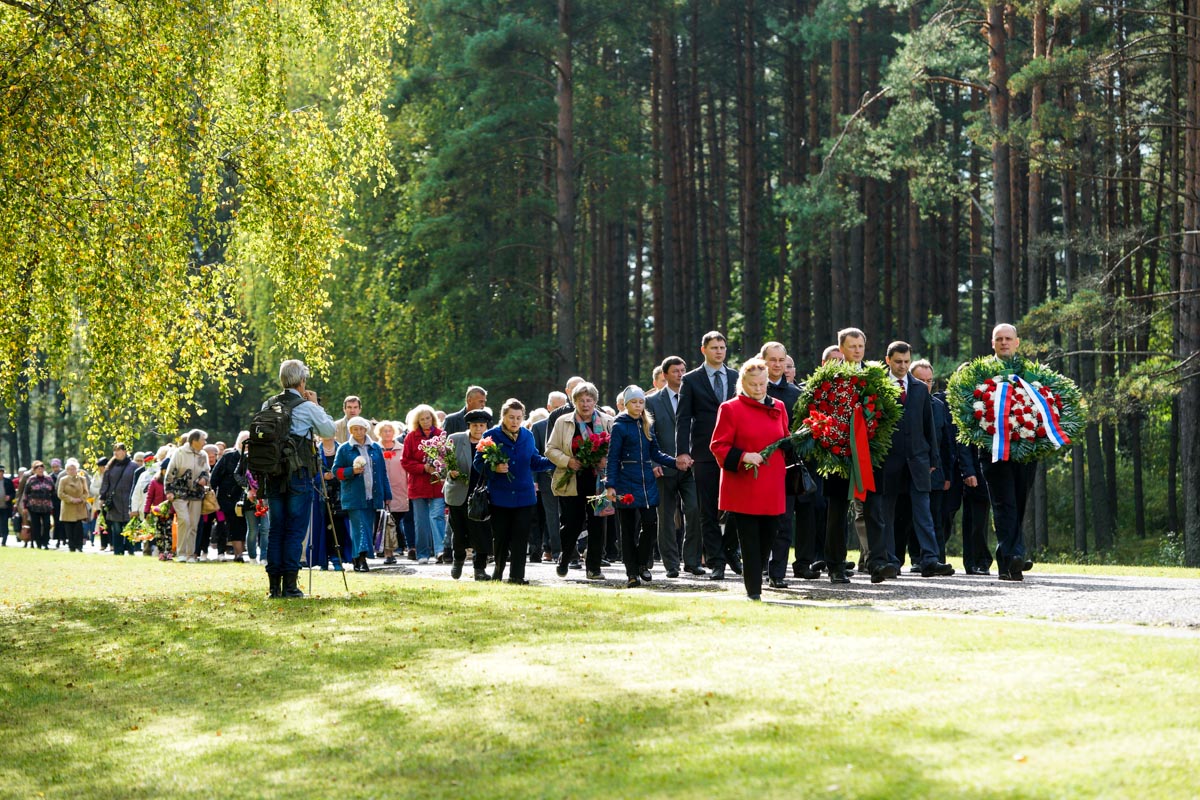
(281, 456)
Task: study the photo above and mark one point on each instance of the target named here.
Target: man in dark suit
(675, 487)
(1008, 482)
(943, 430)
(552, 545)
(456, 422)
(911, 460)
(700, 396)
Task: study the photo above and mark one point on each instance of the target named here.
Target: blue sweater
(354, 487)
(631, 459)
(523, 461)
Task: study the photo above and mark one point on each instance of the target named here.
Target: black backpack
(271, 450)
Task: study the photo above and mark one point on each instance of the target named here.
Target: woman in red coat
(752, 491)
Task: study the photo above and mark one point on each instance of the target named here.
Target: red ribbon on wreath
(862, 477)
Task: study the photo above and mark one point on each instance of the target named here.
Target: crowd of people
(672, 475)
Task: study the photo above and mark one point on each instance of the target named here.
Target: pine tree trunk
(752, 300)
(1001, 180)
(565, 199)
(1189, 300)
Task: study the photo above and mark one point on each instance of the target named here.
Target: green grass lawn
(131, 678)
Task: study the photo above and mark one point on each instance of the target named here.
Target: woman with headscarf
(632, 454)
(73, 494)
(365, 490)
(466, 531)
(752, 489)
(424, 490)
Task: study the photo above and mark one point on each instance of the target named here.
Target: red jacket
(420, 482)
(745, 425)
(155, 494)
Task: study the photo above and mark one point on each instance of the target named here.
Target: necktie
(719, 385)
(675, 402)
(903, 390)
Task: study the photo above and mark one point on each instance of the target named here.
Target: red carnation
(990, 415)
(627, 499)
(978, 414)
(990, 430)
(826, 386)
(1041, 431)
(826, 407)
(1029, 424)
(978, 393)
(1016, 437)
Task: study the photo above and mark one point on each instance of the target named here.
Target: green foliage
(157, 173)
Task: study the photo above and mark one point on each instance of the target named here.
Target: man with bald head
(1008, 482)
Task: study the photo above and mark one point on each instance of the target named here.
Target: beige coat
(558, 450)
(74, 494)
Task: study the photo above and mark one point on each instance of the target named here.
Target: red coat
(420, 482)
(745, 425)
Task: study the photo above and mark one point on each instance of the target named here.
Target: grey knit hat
(634, 392)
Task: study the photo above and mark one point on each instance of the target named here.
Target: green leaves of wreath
(970, 385)
(821, 418)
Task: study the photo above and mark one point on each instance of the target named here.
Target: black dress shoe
(819, 566)
(646, 576)
(595, 576)
(576, 564)
(1015, 565)
(754, 597)
(561, 570)
(807, 573)
(632, 583)
(672, 573)
(497, 574)
(914, 569)
(886, 572)
(520, 582)
(481, 575)
(389, 560)
(717, 574)
(776, 583)
(838, 576)
(936, 569)
(849, 567)
(456, 570)
(604, 562)
(735, 565)
(695, 570)
(1028, 565)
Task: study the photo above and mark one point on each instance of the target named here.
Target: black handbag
(799, 482)
(479, 504)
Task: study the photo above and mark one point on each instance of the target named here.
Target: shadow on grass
(409, 692)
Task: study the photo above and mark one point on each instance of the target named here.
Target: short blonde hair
(751, 365)
(386, 423)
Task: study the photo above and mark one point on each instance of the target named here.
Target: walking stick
(332, 525)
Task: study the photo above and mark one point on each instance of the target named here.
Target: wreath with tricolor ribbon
(844, 421)
(1018, 410)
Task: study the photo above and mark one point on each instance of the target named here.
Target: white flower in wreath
(979, 406)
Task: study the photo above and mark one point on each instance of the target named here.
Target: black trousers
(1008, 484)
(574, 516)
(639, 529)
(976, 553)
(838, 504)
(719, 547)
(39, 529)
(510, 532)
(756, 532)
(74, 533)
(782, 544)
(469, 533)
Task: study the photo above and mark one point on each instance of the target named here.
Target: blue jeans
(291, 516)
(430, 517)
(119, 543)
(257, 532)
(362, 530)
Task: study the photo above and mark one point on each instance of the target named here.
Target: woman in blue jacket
(365, 488)
(511, 489)
(632, 454)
